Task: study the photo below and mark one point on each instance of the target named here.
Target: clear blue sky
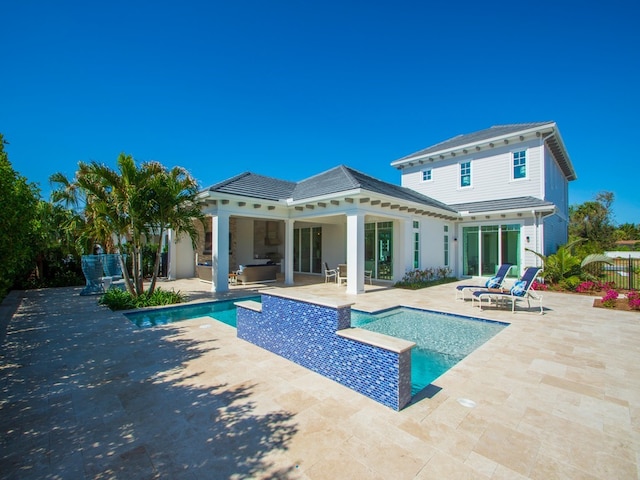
(292, 88)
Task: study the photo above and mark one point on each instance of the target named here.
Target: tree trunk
(156, 265)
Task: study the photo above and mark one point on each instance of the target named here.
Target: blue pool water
(442, 340)
(222, 310)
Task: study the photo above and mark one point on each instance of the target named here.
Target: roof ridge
(343, 168)
(502, 125)
(215, 186)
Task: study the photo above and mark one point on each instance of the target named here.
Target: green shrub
(117, 299)
(570, 283)
(416, 279)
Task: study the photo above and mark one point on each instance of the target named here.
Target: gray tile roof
(475, 137)
(518, 203)
(257, 186)
(334, 181)
(343, 178)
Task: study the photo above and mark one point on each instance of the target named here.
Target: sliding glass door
(307, 250)
(378, 249)
(485, 248)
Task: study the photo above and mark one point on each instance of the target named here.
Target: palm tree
(131, 205)
(171, 205)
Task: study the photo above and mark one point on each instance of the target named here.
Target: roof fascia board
(208, 195)
(362, 193)
(422, 206)
(542, 129)
(572, 173)
(324, 198)
(464, 214)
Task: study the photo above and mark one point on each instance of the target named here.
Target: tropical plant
(17, 217)
(117, 299)
(564, 268)
(561, 265)
(131, 207)
(592, 222)
(628, 231)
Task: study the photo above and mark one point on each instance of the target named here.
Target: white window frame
(460, 186)
(513, 164)
(447, 250)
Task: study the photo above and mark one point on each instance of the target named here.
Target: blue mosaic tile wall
(305, 333)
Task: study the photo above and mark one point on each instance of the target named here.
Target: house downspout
(536, 236)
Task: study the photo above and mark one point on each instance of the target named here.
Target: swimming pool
(222, 310)
(442, 340)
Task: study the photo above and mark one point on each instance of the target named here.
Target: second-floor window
(426, 175)
(519, 164)
(465, 174)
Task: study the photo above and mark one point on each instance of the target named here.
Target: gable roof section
(343, 178)
(249, 184)
(340, 179)
(503, 204)
(547, 130)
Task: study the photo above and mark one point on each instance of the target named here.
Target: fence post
(631, 272)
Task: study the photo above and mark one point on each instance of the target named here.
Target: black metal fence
(625, 273)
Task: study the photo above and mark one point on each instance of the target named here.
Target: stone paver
(85, 394)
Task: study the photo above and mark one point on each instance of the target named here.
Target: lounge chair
(329, 273)
(520, 290)
(494, 282)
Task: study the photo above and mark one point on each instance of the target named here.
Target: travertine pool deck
(86, 394)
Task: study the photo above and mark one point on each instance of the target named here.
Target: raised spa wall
(317, 334)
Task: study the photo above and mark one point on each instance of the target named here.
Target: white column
(355, 253)
(220, 252)
(403, 248)
(288, 252)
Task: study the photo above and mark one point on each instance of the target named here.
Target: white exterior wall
(403, 247)
(491, 175)
(181, 258)
(334, 250)
(244, 229)
(555, 234)
(556, 185)
(432, 243)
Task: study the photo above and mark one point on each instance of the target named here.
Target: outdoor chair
(520, 290)
(342, 274)
(494, 282)
(329, 273)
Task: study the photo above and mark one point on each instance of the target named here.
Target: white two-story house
(509, 185)
(469, 204)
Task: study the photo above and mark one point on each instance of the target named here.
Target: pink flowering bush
(634, 299)
(586, 287)
(593, 287)
(609, 299)
(539, 286)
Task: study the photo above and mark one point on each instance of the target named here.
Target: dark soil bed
(621, 304)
